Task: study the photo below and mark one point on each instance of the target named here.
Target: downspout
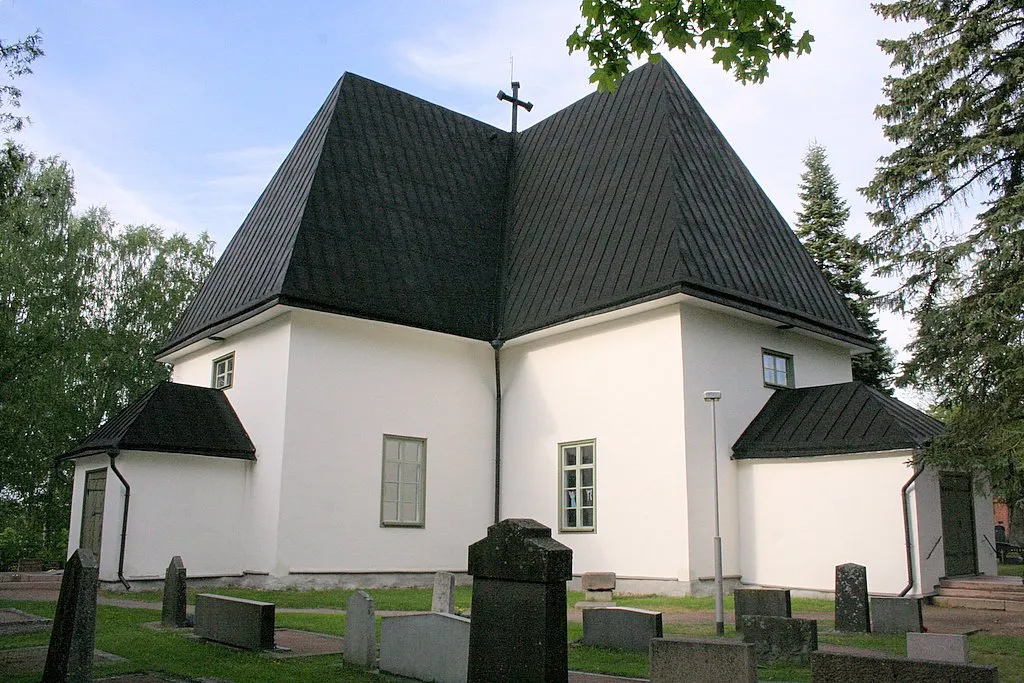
(904, 492)
(113, 453)
(497, 429)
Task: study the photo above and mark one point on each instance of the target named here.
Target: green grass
(397, 599)
(1011, 569)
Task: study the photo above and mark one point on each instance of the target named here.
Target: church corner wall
(618, 382)
(258, 397)
(722, 352)
(351, 382)
(926, 522)
(984, 525)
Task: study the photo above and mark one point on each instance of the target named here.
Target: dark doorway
(958, 532)
(92, 510)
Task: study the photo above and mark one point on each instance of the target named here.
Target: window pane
(409, 472)
(570, 456)
(410, 493)
(410, 512)
(570, 479)
(587, 517)
(587, 476)
(391, 471)
(391, 448)
(391, 493)
(769, 376)
(780, 365)
(588, 497)
(389, 512)
(570, 499)
(570, 519)
(587, 455)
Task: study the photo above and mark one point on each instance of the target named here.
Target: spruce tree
(820, 226)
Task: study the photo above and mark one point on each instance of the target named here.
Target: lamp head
(712, 395)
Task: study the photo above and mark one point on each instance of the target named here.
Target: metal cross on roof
(516, 102)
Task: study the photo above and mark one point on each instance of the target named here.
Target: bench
(1004, 547)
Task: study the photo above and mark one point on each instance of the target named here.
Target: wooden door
(958, 532)
(92, 511)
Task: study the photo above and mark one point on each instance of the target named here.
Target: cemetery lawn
(1011, 569)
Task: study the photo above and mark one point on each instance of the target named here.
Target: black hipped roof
(833, 419)
(395, 209)
(173, 418)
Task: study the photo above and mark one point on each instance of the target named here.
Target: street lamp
(714, 397)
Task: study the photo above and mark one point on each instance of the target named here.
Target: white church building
(427, 324)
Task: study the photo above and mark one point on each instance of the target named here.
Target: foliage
(83, 305)
(954, 111)
(744, 35)
(820, 227)
(15, 59)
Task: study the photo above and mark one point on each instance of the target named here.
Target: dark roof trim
(235, 318)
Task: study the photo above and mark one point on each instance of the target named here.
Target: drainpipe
(113, 453)
(496, 344)
(906, 528)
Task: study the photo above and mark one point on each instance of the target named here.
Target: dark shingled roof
(173, 418)
(394, 209)
(833, 419)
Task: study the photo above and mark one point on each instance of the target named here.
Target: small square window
(577, 486)
(224, 371)
(403, 481)
(777, 369)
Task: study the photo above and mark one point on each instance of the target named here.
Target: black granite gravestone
(73, 638)
(173, 614)
(518, 629)
(852, 612)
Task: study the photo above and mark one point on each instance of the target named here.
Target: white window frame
(403, 481)
(577, 486)
(223, 369)
(770, 369)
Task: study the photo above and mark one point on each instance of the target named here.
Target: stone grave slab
(518, 630)
(14, 621)
(699, 660)
(766, 602)
(241, 623)
(852, 607)
(621, 628)
(781, 639)
(443, 598)
(937, 647)
(829, 667)
(896, 615)
(360, 631)
(426, 647)
(173, 612)
(73, 636)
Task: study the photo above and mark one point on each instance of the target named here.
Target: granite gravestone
(780, 639)
(896, 615)
(173, 614)
(360, 631)
(765, 602)
(852, 613)
(73, 638)
(700, 660)
(518, 629)
(621, 628)
(235, 621)
(443, 598)
(938, 647)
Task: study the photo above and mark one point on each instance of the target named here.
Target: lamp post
(713, 397)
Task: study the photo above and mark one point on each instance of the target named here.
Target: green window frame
(577, 486)
(223, 371)
(403, 484)
(777, 369)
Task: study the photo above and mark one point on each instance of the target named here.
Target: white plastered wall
(110, 535)
(258, 397)
(619, 382)
(722, 352)
(351, 382)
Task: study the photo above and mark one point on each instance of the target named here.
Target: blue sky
(177, 113)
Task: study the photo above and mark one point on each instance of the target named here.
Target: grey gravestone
(518, 630)
(765, 602)
(443, 599)
(852, 613)
(73, 638)
(937, 647)
(699, 660)
(234, 621)
(425, 647)
(781, 639)
(622, 628)
(896, 615)
(173, 613)
(360, 631)
(597, 588)
(829, 667)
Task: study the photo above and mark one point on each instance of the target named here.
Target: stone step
(978, 603)
(1004, 583)
(978, 593)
